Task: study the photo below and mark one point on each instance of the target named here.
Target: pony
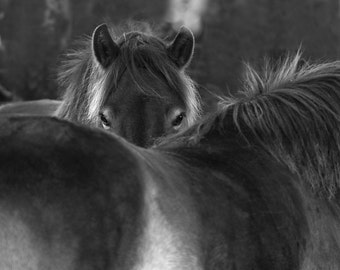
(252, 186)
(128, 81)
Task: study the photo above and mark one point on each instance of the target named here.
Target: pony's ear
(181, 48)
(104, 48)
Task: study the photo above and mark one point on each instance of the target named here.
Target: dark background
(34, 33)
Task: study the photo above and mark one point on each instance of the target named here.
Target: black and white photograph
(169, 135)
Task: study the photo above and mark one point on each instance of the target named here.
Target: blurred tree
(244, 30)
(34, 33)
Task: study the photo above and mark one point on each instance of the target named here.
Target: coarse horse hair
(290, 109)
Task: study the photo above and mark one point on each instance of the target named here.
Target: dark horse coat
(254, 186)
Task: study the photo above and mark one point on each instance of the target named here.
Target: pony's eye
(176, 123)
(105, 122)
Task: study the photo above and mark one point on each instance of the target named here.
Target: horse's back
(62, 206)
(46, 107)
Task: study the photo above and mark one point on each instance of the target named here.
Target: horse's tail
(293, 111)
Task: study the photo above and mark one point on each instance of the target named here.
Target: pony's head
(133, 84)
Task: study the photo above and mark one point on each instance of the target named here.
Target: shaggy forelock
(140, 51)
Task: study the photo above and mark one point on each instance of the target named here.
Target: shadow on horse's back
(242, 189)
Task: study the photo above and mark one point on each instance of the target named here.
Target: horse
(126, 80)
(255, 185)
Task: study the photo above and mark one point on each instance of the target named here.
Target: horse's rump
(59, 209)
(85, 198)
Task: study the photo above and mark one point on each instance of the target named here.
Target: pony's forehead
(134, 40)
(141, 83)
(145, 60)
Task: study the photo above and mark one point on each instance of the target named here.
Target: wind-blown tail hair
(293, 111)
(290, 109)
